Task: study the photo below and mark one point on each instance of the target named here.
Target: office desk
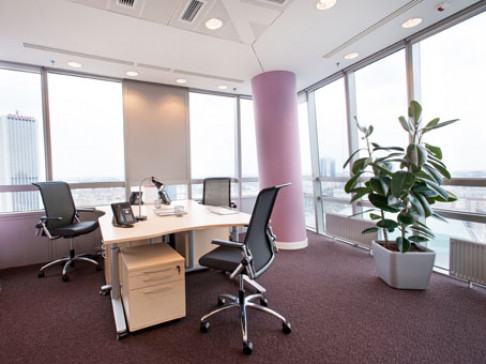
(198, 218)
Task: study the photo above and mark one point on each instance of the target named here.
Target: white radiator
(349, 229)
(468, 260)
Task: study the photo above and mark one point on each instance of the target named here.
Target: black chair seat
(73, 230)
(224, 258)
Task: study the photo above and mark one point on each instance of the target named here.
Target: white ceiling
(108, 38)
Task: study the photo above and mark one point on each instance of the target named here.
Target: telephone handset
(164, 196)
(123, 214)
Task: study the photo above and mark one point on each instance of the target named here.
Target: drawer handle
(157, 279)
(159, 271)
(159, 290)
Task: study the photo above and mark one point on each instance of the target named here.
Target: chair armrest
(234, 244)
(86, 210)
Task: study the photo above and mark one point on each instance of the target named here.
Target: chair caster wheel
(104, 292)
(98, 268)
(263, 302)
(41, 274)
(247, 348)
(221, 302)
(205, 326)
(65, 278)
(286, 328)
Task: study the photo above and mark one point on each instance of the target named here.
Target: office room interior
(108, 95)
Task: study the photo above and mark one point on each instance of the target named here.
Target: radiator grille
(349, 229)
(468, 260)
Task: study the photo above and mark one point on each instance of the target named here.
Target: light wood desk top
(197, 217)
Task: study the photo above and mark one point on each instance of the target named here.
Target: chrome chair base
(243, 302)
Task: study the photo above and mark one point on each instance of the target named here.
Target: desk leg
(191, 252)
(116, 302)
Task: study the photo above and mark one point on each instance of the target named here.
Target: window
(213, 135)
(249, 157)
(381, 97)
(86, 123)
(22, 156)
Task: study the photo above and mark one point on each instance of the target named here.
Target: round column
(277, 135)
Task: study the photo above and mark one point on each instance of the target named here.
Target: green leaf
(405, 218)
(418, 239)
(360, 164)
(370, 230)
(451, 197)
(416, 154)
(404, 123)
(434, 186)
(351, 156)
(432, 172)
(427, 129)
(360, 126)
(442, 170)
(401, 183)
(375, 216)
(349, 186)
(432, 122)
(381, 202)
(387, 224)
(436, 151)
(417, 206)
(425, 231)
(439, 217)
(379, 147)
(403, 244)
(369, 131)
(415, 111)
(425, 205)
(359, 193)
(378, 186)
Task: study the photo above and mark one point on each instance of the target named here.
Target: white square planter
(409, 270)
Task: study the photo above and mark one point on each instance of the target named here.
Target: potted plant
(401, 185)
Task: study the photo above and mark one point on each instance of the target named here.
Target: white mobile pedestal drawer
(153, 289)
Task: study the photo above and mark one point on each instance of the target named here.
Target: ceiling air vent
(192, 9)
(128, 3)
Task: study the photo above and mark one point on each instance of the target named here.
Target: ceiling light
(413, 22)
(223, 87)
(181, 80)
(74, 64)
(214, 23)
(325, 4)
(132, 73)
(351, 55)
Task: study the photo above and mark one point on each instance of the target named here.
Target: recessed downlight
(223, 87)
(74, 64)
(351, 55)
(325, 4)
(132, 73)
(213, 23)
(181, 81)
(413, 22)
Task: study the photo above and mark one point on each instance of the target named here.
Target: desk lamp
(140, 217)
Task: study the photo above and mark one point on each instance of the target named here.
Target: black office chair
(61, 221)
(248, 260)
(217, 192)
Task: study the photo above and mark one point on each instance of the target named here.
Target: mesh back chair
(61, 221)
(247, 260)
(217, 192)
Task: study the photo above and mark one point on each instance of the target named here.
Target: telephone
(135, 198)
(123, 214)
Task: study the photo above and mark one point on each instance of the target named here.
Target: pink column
(277, 135)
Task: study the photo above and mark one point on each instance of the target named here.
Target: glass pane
(86, 117)
(22, 153)
(250, 188)
(469, 199)
(453, 76)
(381, 97)
(332, 129)
(336, 208)
(92, 197)
(305, 153)
(249, 159)
(213, 134)
(334, 189)
(310, 212)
